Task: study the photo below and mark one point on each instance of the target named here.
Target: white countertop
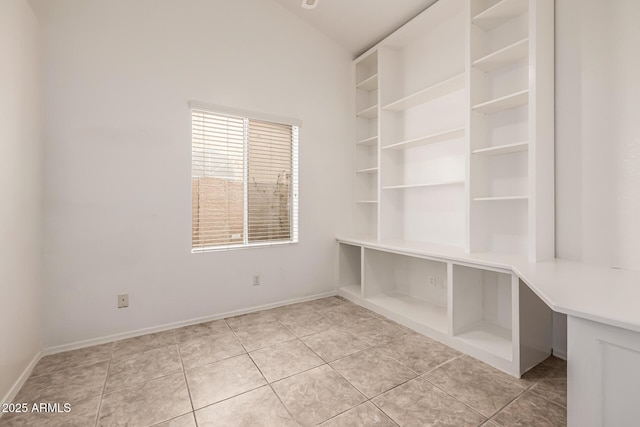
(597, 293)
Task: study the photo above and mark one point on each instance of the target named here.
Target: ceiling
(357, 24)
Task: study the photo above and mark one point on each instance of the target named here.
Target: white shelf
(369, 112)
(368, 170)
(427, 139)
(425, 313)
(369, 84)
(503, 57)
(503, 103)
(429, 184)
(498, 199)
(428, 94)
(367, 201)
(489, 337)
(352, 290)
(502, 149)
(499, 13)
(368, 141)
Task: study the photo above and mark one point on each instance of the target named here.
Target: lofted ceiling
(357, 24)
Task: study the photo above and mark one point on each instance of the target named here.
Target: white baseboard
(116, 337)
(15, 388)
(560, 354)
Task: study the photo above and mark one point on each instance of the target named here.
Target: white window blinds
(244, 181)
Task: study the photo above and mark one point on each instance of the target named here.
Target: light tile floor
(325, 362)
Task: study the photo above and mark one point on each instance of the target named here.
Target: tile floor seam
(283, 405)
(412, 370)
(346, 410)
(486, 417)
(104, 386)
(297, 373)
(352, 385)
(312, 350)
(373, 397)
(173, 418)
(543, 397)
(510, 402)
(531, 389)
(236, 337)
(382, 410)
(228, 398)
(288, 329)
(186, 383)
(522, 390)
(440, 365)
(349, 355)
(106, 393)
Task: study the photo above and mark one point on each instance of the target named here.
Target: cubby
(413, 286)
(350, 269)
(484, 309)
(472, 304)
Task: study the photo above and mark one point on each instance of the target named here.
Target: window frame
(295, 181)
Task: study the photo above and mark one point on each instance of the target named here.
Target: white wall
(598, 132)
(118, 75)
(21, 210)
(597, 136)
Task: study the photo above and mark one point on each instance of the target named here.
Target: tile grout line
(471, 408)
(382, 410)
(528, 389)
(104, 386)
(186, 382)
(273, 390)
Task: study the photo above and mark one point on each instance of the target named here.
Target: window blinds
(244, 181)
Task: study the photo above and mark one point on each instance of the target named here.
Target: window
(244, 181)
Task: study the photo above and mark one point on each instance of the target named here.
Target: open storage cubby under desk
(414, 287)
(484, 309)
(350, 269)
(476, 304)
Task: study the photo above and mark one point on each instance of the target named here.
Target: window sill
(241, 246)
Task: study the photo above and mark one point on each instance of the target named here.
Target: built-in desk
(498, 309)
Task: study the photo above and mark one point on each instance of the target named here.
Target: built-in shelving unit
(500, 198)
(443, 293)
(391, 280)
(427, 139)
(349, 263)
(367, 146)
(484, 319)
(371, 140)
(510, 62)
(369, 83)
(368, 170)
(513, 100)
(426, 184)
(369, 112)
(499, 13)
(516, 147)
(422, 128)
(428, 94)
(504, 57)
(454, 150)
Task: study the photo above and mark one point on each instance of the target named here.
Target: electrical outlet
(432, 281)
(123, 300)
(256, 280)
